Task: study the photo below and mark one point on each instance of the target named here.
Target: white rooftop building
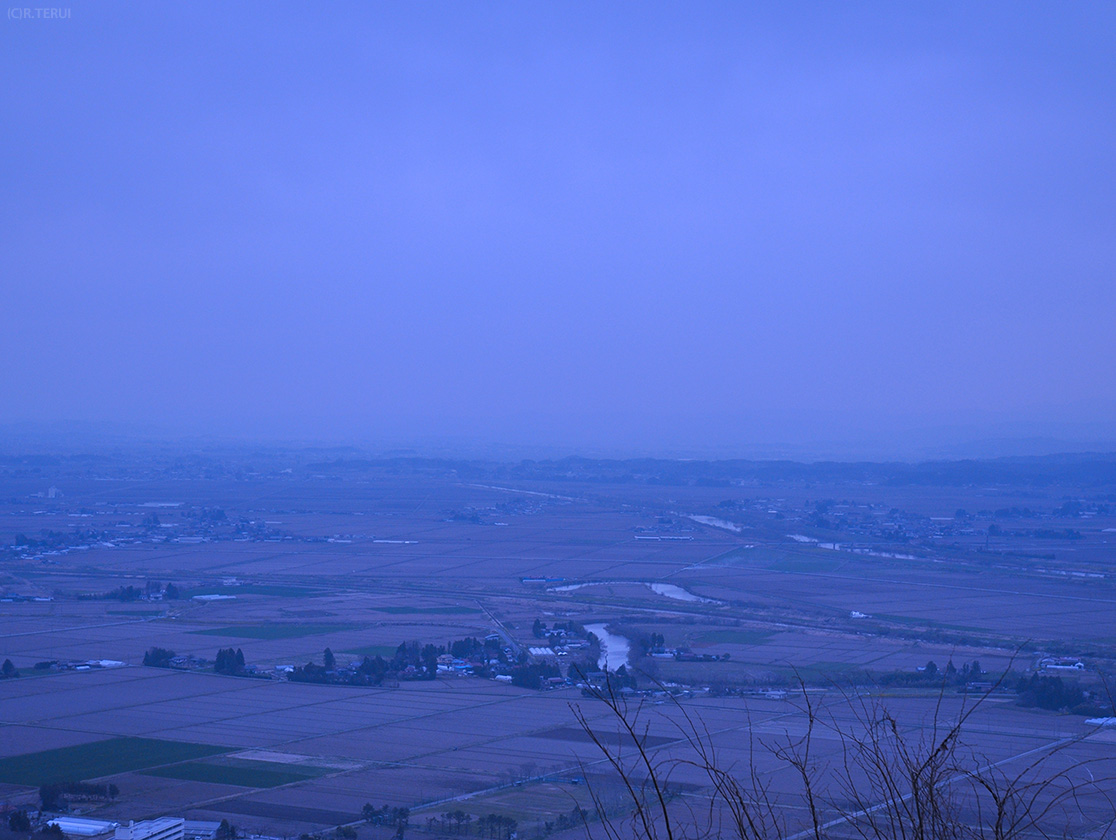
(82, 826)
(164, 828)
(202, 829)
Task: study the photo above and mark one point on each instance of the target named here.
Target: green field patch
(100, 758)
(275, 631)
(256, 589)
(427, 610)
(807, 564)
(250, 774)
(735, 637)
(134, 612)
(386, 651)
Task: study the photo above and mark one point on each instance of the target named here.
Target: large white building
(164, 828)
(83, 826)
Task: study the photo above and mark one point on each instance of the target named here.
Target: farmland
(754, 585)
(251, 774)
(98, 758)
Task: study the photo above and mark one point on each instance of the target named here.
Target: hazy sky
(601, 225)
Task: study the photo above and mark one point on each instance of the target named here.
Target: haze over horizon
(868, 231)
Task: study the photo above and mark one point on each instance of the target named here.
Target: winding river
(614, 649)
(667, 590)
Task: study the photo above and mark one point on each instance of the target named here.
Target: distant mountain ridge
(1082, 469)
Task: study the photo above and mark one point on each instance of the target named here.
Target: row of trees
(411, 661)
(20, 823)
(229, 661)
(931, 674)
(49, 539)
(370, 670)
(613, 682)
(56, 797)
(471, 648)
(158, 657)
(454, 823)
(556, 631)
(398, 818)
(532, 674)
(1033, 691)
(564, 822)
(1058, 695)
(134, 593)
(494, 826)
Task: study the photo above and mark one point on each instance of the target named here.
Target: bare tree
(886, 781)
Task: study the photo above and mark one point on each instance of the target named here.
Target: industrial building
(164, 828)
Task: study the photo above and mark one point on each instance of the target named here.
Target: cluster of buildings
(450, 664)
(1061, 664)
(560, 642)
(78, 664)
(163, 828)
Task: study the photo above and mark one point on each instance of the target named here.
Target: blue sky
(599, 227)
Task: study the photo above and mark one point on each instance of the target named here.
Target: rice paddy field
(293, 565)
